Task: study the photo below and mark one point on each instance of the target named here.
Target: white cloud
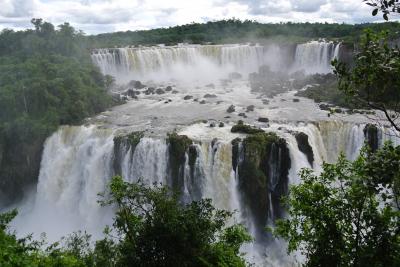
(95, 16)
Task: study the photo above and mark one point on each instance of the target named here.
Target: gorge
(179, 133)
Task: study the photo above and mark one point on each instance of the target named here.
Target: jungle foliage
(151, 228)
(46, 79)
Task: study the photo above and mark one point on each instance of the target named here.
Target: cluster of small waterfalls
(246, 174)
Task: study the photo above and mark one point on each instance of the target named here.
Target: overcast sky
(97, 16)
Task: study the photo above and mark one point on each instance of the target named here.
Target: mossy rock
(371, 134)
(240, 127)
(178, 146)
(130, 140)
(264, 154)
(304, 146)
(193, 154)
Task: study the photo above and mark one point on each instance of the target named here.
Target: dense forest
(46, 79)
(233, 30)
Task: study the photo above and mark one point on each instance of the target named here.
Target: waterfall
(76, 166)
(388, 134)
(340, 137)
(179, 61)
(148, 161)
(210, 62)
(315, 56)
(78, 162)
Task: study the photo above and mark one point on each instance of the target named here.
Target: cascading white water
(149, 161)
(78, 162)
(173, 62)
(76, 166)
(210, 62)
(316, 56)
(179, 61)
(388, 134)
(341, 137)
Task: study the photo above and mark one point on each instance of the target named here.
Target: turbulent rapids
(189, 89)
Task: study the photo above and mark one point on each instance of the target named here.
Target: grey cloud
(87, 16)
(17, 8)
(169, 11)
(307, 5)
(96, 16)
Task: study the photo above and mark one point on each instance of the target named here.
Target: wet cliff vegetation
(46, 79)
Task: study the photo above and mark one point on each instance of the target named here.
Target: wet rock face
(263, 171)
(136, 84)
(19, 168)
(231, 109)
(150, 91)
(304, 146)
(160, 91)
(235, 76)
(194, 187)
(250, 108)
(263, 119)
(122, 144)
(178, 145)
(210, 96)
(371, 134)
(240, 127)
(279, 165)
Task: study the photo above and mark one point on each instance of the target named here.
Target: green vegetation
(151, 228)
(374, 80)
(349, 214)
(131, 139)
(323, 88)
(255, 169)
(46, 79)
(178, 145)
(233, 30)
(240, 127)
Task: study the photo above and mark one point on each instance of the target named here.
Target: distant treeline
(233, 30)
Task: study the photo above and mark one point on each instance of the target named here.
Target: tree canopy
(151, 228)
(234, 30)
(374, 79)
(349, 214)
(46, 79)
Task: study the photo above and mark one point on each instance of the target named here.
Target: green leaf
(374, 12)
(385, 16)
